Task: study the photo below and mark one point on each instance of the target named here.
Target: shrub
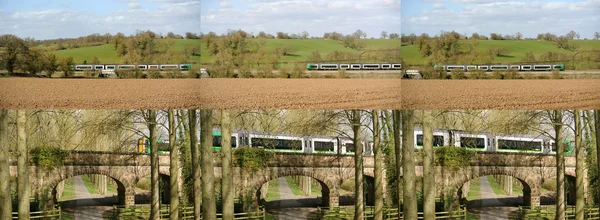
(252, 158)
(47, 157)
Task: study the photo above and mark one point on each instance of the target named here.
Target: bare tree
(174, 168)
(227, 187)
(428, 167)
(378, 158)
(556, 117)
(408, 165)
(209, 207)
(358, 166)
(579, 168)
(155, 208)
(22, 166)
(5, 195)
(398, 150)
(195, 166)
(597, 123)
(384, 34)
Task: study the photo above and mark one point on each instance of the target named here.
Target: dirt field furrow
(298, 94)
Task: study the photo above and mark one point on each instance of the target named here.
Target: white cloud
(508, 17)
(314, 16)
(439, 6)
(178, 17)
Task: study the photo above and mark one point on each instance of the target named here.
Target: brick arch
(122, 182)
(328, 186)
(530, 185)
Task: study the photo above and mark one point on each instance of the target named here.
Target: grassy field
(273, 192)
(69, 190)
(474, 190)
(516, 49)
(106, 53)
(303, 48)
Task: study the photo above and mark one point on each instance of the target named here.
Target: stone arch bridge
(330, 170)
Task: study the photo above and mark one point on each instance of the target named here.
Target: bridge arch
(329, 188)
(124, 183)
(531, 195)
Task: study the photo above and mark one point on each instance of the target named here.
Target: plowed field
(297, 94)
(199, 93)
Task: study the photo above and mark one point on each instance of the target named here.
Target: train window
(277, 144)
(217, 141)
(438, 140)
(349, 147)
(519, 145)
(322, 146)
(471, 142)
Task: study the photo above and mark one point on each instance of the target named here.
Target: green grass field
(474, 190)
(273, 192)
(69, 190)
(303, 48)
(516, 49)
(106, 53)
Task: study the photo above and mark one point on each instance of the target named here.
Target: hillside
(303, 48)
(516, 49)
(106, 53)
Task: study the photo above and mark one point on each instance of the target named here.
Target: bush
(453, 157)
(47, 157)
(556, 74)
(497, 75)
(457, 74)
(143, 184)
(348, 185)
(342, 73)
(252, 158)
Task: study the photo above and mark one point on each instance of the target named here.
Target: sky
(529, 17)
(74, 18)
(295, 16)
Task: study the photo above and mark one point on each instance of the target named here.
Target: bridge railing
(185, 212)
(55, 213)
(528, 212)
(388, 213)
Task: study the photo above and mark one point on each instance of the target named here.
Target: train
(371, 66)
(492, 142)
(143, 67)
(294, 143)
(528, 67)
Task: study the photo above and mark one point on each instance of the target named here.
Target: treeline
(560, 41)
(17, 55)
(144, 48)
(239, 51)
(97, 39)
(358, 34)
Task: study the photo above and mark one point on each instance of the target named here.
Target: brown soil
(33, 93)
(501, 94)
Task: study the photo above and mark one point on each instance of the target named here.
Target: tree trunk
(5, 197)
(597, 123)
(358, 167)
(227, 187)
(428, 167)
(155, 208)
(378, 157)
(560, 165)
(22, 166)
(398, 151)
(579, 168)
(408, 168)
(195, 165)
(174, 168)
(209, 206)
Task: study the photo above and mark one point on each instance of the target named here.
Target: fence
(539, 212)
(185, 212)
(388, 213)
(55, 213)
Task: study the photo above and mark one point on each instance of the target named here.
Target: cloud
(439, 6)
(295, 16)
(507, 17)
(177, 16)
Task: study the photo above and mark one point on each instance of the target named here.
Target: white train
(83, 67)
(284, 142)
(535, 67)
(356, 66)
(486, 141)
